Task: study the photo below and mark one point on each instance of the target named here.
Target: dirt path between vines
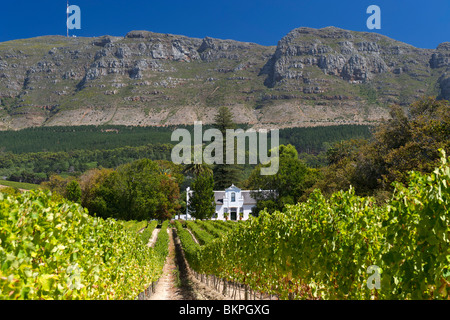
(177, 281)
(153, 238)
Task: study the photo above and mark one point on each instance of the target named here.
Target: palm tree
(196, 169)
(167, 173)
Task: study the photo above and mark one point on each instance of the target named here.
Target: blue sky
(423, 24)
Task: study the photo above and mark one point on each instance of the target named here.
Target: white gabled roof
(245, 194)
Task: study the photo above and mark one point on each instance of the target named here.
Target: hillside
(312, 77)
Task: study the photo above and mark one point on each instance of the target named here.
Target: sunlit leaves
(322, 248)
(55, 250)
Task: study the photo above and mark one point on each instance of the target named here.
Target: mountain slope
(312, 77)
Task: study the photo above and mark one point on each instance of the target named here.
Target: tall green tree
(408, 141)
(201, 204)
(225, 174)
(141, 190)
(287, 186)
(224, 120)
(73, 191)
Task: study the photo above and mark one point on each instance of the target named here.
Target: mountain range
(312, 77)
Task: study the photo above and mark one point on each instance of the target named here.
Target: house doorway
(233, 214)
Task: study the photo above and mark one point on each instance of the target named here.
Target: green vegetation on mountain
(327, 76)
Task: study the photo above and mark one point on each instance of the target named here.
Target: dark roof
(218, 196)
(248, 197)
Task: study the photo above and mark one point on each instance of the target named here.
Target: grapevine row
(190, 247)
(201, 235)
(162, 242)
(210, 228)
(323, 248)
(54, 250)
(148, 231)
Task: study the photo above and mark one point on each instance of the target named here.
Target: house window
(233, 197)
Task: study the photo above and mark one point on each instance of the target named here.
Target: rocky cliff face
(386, 65)
(312, 77)
(441, 60)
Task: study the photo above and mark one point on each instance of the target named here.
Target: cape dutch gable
(232, 203)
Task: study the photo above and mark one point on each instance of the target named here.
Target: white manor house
(233, 203)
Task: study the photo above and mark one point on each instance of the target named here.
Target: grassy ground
(19, 185)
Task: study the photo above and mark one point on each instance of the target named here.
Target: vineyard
(52, 249)
(321, 249)
(318, 249)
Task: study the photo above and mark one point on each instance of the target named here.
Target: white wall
(227, 203)
(247, 209)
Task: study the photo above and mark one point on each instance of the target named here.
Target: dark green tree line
(409, 140)
(140, 190)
